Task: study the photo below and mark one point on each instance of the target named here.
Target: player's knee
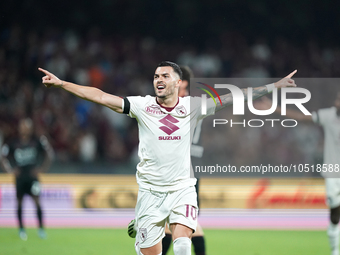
(182, 246)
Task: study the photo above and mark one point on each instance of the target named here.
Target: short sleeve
(136, 103)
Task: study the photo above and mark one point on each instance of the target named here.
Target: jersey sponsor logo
(25, 156)
(153, 109)
(178, 137)
(143, 234)
(169, 127)
(181, 110)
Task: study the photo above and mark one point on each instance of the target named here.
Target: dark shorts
(27, 185)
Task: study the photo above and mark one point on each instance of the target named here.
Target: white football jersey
(330, 122)
(164, 141)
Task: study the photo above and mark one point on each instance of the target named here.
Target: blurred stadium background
(115, 46)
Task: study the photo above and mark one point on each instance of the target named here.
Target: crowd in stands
(82, 131)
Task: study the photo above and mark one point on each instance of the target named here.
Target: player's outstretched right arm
(88, 93)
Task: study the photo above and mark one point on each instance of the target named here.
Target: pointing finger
(291, 74)
(44, 71)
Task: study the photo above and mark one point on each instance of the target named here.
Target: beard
(163, 94)
(167, 92)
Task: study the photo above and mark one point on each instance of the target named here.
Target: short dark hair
(174, 66)
(187, 73)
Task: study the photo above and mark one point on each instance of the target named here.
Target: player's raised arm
(88, 93)
(258, 91)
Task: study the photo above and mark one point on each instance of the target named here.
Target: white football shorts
(155, 209)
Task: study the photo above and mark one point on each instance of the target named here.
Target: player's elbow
(97, 96)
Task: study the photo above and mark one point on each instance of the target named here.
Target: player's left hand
(286, 81)
(50, 79)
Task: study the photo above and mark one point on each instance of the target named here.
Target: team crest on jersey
(153, 109)
(143, 234)
(181, 110)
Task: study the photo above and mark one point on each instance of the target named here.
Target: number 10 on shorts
(191, 211)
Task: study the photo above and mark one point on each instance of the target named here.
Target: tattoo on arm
(228, 98)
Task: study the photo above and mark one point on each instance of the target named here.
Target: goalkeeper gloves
(131, 229)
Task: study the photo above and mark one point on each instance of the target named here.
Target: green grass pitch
(117, 242)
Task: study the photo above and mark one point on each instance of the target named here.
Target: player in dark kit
(25, 157)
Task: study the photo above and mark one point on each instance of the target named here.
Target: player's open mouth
(160, 87)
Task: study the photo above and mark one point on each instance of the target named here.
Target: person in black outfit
(26, 156)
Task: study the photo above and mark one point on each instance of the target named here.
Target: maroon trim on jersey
(169, 109)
